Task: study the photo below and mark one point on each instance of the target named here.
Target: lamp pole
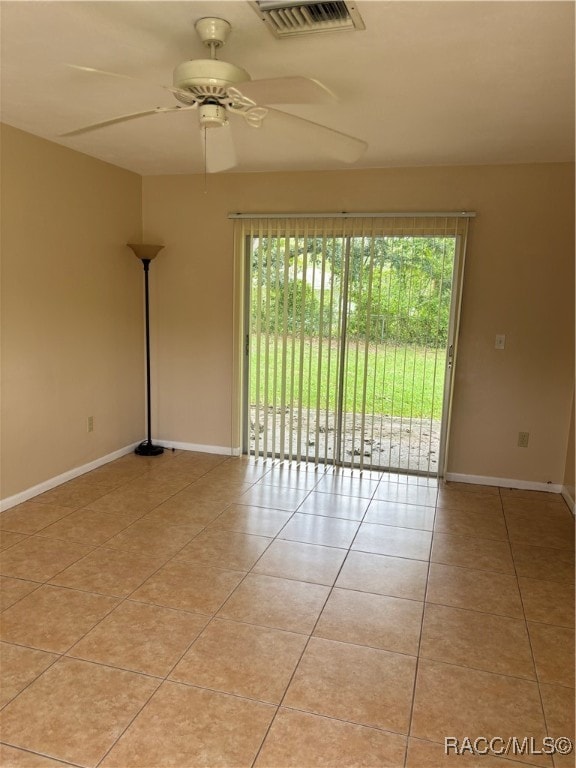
(146, 253)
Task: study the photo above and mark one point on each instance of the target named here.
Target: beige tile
(428, 754)
(69, 495)
(540, 506)
(400, 515)
(384, 575)
(242, 469)
(553, 649)
(451, 498)
(140, 637)
(472, 552)
(19, 758)
(544, 562)
(558, 703)
(87, 526)
(278, 603)
(396, 542)
(478, 640)
(131, 502)
(39, 559)
(52, 618)
(216, 491)
(12, 590)
(362, 618)
(272, 497)
(114, 473)
(354, 683)
(451, 485)
(256, 662)
(30, 517)
(258, 521)
(225, 549)
(182, 509)
(210, 480)
(405, 493)
(181, 725)
(157, 481)
(298, 739)
(459, 702)
(541, 530)
(398, 477)
(108, 572)
(485, 591)
(180, 473)
(550, 602)
(189, 587)
(151, 539)
(334, 505)
(299, 476)
(90, 479)
(484, 525)
(386, 476)
(305, 562)
(317, 529)
(356, 487)
(19, 667)
(75, 711)
(8, 538)
(508, 494)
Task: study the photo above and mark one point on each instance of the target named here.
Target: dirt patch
(374, 442)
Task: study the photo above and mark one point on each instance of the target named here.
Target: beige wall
(519, 281)
(72, 342)
(570, 470)
(72, 305)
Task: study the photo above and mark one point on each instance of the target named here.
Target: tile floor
(193, 610)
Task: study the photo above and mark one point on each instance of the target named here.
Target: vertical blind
(347, 329)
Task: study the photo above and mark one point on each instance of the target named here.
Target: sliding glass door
(349, 336)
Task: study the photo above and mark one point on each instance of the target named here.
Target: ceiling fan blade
(117, 75)
(287, 90)
(218, 148)
(124, 118)
(340, 145)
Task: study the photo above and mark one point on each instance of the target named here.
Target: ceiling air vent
(304, 17)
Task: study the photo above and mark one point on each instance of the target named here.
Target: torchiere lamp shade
(147, 252)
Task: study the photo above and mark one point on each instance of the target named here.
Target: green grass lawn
(395, 381)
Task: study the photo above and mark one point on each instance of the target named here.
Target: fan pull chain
(205, 164)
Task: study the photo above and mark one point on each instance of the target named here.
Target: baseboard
(503, 482)
(200, 448)
(47, 485)
(566, 495)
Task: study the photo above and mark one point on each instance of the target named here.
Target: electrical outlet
(90, 424)
(523, 438)
(500, 342)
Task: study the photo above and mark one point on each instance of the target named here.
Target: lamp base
(148, 449)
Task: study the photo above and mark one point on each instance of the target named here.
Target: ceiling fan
(219, 90)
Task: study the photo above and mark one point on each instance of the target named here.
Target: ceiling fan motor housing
(208, 78)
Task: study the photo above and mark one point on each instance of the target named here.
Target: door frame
(241, 323)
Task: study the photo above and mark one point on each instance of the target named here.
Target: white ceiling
(427, 83)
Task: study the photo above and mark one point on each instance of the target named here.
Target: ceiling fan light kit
(212, 116)
(219, 89)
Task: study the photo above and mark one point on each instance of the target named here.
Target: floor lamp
(146, 253)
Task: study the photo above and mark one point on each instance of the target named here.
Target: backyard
(398, 427)
(347, 343)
